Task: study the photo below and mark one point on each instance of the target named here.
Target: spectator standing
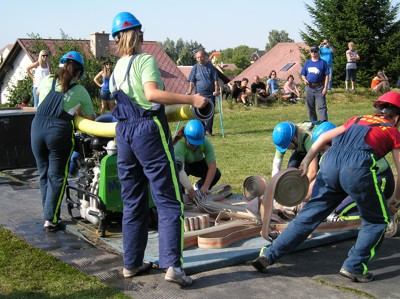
(146, 158)
(42, 69)
(258, 89)
(351, 66)
(327, 52)
(380, 83)
(315, 74)
(204, 79)
(105, 94)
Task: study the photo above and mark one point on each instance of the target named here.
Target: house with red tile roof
(284, 58)
(4, 52)
(22, 54)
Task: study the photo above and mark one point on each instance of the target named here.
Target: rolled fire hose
(172, 112)
(288, 188)
(254, 186)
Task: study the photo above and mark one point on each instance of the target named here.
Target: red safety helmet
(390, 97)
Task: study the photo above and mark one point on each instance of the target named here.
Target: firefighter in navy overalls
(349, 167)
(145, 153)
(52, 132)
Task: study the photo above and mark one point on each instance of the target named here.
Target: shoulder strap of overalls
(126, 73)
(374, 125)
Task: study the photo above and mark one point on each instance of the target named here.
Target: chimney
(99, 43)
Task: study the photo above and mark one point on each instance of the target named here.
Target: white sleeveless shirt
(40, 73)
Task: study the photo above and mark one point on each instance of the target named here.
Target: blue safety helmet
(73, 55)
(321, 129)
(194, 132)
(124, 21)
(282, 135)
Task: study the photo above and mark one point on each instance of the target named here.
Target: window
(287, 66)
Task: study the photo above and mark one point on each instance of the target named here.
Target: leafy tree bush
(370, 24)
(92, 67)
(275, 37)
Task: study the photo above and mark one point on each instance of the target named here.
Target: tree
(370, 24)
(186, 57)
(240, 56)
(275, 37)
(169, 47)
(180, 51)
(66, 45)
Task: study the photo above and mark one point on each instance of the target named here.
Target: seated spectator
(291, 93)
(380, 83)
(272, 86)
(259, 89)
(243, 93)
(25, 101)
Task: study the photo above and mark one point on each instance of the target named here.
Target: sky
(217, 24)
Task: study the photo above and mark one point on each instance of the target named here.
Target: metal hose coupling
(204, 113)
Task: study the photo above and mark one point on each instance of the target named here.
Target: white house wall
(14, 75)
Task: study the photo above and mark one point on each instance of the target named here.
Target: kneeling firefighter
(196, 156)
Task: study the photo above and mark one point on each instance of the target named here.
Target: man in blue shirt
(315, 75)
(204, 79)
(326, 53)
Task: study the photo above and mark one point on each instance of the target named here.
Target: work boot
(177, 275)
(51, 227)
(356, 277)
(262, 262)
(136, 271)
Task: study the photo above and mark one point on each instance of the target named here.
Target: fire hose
(172, 112)
(288, 188)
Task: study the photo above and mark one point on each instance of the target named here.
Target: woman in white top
(290, 90)
(42, 69)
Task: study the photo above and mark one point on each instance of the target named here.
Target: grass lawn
(246, 149)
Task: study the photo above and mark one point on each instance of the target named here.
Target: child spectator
(26, 99)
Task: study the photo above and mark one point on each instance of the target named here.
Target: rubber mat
(200, 259)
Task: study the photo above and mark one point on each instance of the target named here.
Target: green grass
(27, 272)
(246, 149)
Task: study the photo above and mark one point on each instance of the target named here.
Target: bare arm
(155, 95)
(216, 87)
(98, 76)
(212, 168)
(267, 88)
(317, 147)
(395, 199)
(80, 113)
(191, 86)
(324, 90)
(304, 79)
(30, 67)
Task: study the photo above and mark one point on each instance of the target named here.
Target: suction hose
(172, 112)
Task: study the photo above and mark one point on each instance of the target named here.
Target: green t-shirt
(204, 151)
(75, 98)
(144, 69)
(304, 144)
